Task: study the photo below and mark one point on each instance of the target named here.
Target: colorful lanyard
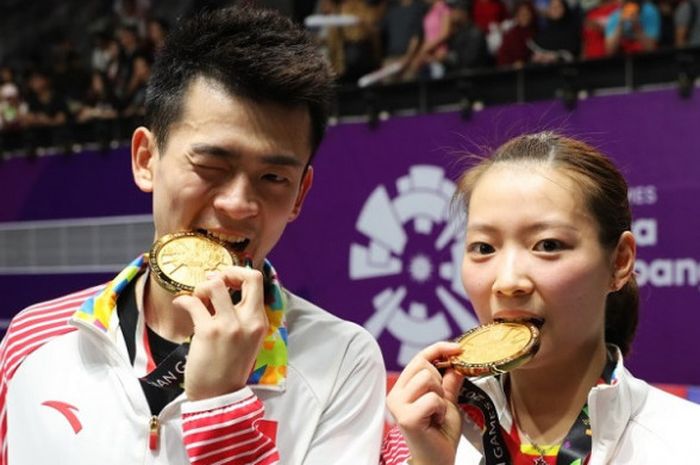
(270, 368)
(575, 448)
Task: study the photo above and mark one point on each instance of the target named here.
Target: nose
(512, 277)
(237, 198)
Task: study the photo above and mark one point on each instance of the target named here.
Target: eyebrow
(223, 152)
(533, 228)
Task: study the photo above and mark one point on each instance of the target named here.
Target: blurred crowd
(74, 95)
(68, 96)
(408, 39)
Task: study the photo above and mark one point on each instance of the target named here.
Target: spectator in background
(634, 27)
(133, 13)
(46, 106)
(559, 35)
(461, 44)
(13, 111)
(96, 118)
(402, 31)
(666, 15)
(135, 97)
(488, 14)
(130, 49)
(105, 55)
(514, 48)
(436, 30)
(687, 26)
(354, 50)
(47, 115)
(156, 31)
(593, 33)
(466, 43)
(98, 101)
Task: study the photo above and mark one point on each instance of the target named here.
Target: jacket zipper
(154, 433)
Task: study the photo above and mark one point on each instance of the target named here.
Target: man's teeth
(230, 239)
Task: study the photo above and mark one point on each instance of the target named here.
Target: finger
(249, 281)
(194, 307)
(451, 384)
(425, 357)
(426, 380)
(426, 410)
(215, 295)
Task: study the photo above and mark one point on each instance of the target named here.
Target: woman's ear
(143, 155)
(623, 260)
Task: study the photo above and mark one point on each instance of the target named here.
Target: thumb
(451, 384)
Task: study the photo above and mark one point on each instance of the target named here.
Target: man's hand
(227, 337)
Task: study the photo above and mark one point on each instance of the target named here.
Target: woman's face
(532, 250)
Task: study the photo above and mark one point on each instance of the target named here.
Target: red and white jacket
(632, 423)
(68, 394)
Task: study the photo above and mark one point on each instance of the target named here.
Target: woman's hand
(423, 403)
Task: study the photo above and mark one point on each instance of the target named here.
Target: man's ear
(306, 183)
(143, 157)
(623, 260)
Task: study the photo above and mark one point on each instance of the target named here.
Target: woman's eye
(480, 248)
(549, 245)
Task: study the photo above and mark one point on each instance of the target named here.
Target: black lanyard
(576, 445)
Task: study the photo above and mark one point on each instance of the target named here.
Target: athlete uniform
(631, 423)
(69, 391)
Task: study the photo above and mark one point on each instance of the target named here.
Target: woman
(548, 239)
(514, 50)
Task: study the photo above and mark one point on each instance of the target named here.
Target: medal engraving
(181, 261)
(494, 348)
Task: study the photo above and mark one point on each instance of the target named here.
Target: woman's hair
(605, 192)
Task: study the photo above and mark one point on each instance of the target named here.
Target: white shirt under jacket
(633, 423)
(331, 411)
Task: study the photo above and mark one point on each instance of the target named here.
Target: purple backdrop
(374, 243)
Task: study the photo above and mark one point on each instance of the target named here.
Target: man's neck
(162, 317)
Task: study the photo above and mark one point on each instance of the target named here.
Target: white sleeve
(351, 426)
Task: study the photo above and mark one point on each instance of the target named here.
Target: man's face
(231, 167)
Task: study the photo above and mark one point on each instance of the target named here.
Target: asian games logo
(411, 252)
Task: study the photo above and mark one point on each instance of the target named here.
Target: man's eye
(480, 248)
(275, 178)
(549, 245)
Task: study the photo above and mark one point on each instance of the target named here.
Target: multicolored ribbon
(270, 368)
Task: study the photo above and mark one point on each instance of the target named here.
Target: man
(236, 107)
(634, 27)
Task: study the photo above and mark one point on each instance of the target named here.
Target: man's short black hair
(254, 53)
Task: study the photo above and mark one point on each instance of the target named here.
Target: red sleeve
(394, 448)
(234, 434)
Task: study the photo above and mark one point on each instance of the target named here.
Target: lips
(519, 315)
(234, 242)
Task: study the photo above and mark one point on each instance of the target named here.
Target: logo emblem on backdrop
(412, 252)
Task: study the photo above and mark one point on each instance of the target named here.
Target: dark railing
(565, 81)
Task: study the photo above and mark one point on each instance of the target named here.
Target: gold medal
(495, 348)
(182, 260)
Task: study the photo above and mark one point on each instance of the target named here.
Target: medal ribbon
(575, 449)
(270, 369)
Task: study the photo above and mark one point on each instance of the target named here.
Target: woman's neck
(546, 400)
